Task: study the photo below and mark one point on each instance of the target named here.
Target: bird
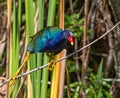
(50, 40)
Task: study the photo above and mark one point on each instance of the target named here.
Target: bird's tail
(13, 77)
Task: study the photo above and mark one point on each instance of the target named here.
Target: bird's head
(69, 36)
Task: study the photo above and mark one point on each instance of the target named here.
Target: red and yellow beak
(70, 40)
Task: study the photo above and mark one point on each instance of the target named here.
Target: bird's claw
(51, 65)
(15, 76)
(12, 80)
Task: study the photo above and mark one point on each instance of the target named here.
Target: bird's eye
(68, 34)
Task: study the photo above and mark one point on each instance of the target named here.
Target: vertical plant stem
(29, 86)
(68, 82)
(51, 12)
(62, 54)
(39, 56)
(18, 31)
(44, 79)
(13, 39)
(84, 64)
(29, 32)
(55, 80)
(15, 46)
(9, 47)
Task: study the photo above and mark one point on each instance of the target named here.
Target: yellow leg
(13, 77)
(52, 62)
(51, 65)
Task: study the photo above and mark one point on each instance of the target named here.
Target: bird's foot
(15, 75)
(12, 79)
(51, 65)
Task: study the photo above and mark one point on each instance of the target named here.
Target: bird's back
(41, 39)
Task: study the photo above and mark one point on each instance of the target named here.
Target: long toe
(51, 65)
(15, 75)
